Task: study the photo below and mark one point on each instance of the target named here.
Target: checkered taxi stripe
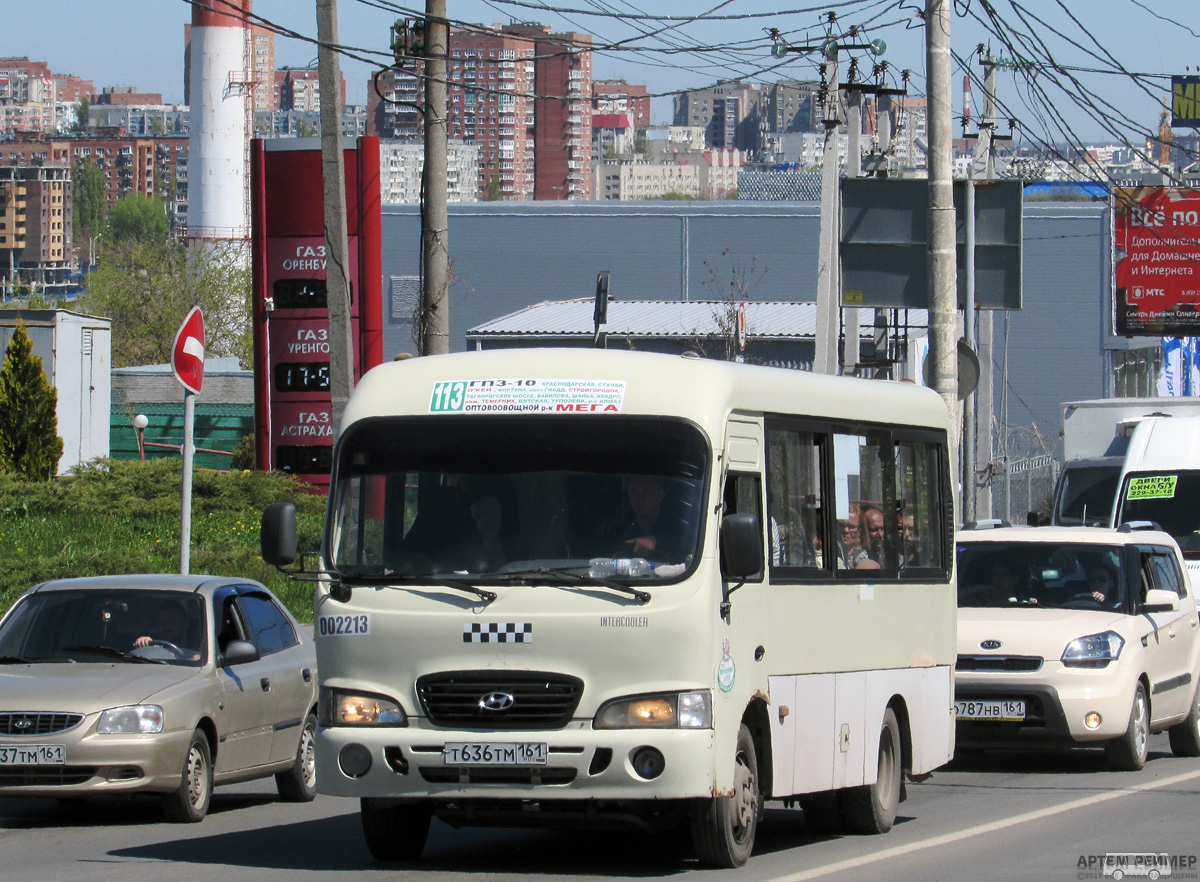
(498, 632)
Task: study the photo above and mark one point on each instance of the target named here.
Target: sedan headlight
(1093, 651)
(336, 707)
(133, 719)
(667, 710)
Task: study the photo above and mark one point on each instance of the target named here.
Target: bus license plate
(33, 755)
(495, 753)
(1005, 710)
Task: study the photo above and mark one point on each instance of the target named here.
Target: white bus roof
(703, 390)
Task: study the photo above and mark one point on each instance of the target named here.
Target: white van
(562, 585)
(1160, 481)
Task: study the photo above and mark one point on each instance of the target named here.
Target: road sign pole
(189, 453)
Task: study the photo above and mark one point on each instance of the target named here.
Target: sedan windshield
(107, 626)
(1043, 574)
(494, 497)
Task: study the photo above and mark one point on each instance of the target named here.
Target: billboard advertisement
(1185, 102)
(1157, 232)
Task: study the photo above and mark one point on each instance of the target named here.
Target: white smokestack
(217, 146)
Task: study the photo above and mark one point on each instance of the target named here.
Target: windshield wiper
(387, 577)
(14, 660)
(551, 574)
(114, 653)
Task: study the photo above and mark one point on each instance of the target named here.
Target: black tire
(1185, 736)
(1128, 753)
(723, 828)
(823, 812)
(299, 783)
(395, 831)
(871, 808)
(188, 803)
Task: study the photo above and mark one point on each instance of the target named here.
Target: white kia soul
(1076, 635)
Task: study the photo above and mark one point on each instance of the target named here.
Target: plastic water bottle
(631, 567)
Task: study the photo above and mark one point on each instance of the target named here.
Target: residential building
(793, 106)
(307, 123)
(299, 89)
(702, 174)
(519, 93)
(126, 96)
(27, 96)
(612, 136)
(35, 227)
(730, 113)
(618, 96)
(401, 164)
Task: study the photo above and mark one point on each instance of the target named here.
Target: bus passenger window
(794, 499)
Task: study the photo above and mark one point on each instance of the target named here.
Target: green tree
(641, 142)
(90, 208)
(138, 218)
(493, 189)
(147, 287)
(82, 110)
(29, 442)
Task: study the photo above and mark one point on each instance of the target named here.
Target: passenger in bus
(879, 547)
(852, 542)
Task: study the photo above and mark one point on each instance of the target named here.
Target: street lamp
(140, 422)
(92, 249)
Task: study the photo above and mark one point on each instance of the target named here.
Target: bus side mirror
(741, 545)
(278, 536)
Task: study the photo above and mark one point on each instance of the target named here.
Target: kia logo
(496, 701)
(990, 644)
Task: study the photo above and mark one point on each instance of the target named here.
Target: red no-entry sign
(187, 355)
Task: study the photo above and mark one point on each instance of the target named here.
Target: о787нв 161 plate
(1005, 710)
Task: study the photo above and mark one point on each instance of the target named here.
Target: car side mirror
(239, 652)
(1160, 600)
(278, 536)
(741, 545)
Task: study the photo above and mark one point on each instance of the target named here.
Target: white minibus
(564, 585)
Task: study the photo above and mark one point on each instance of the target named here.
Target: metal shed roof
(765, 320)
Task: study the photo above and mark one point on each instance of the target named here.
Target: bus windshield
(1168, 499)
(496, 496)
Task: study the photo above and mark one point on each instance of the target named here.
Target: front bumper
(99, 764)
(1057, 701)
(583, 763)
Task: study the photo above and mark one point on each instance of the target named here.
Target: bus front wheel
(871, 808)
(395, 831)
(723, 828)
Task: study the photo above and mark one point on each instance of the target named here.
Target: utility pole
(337, 250)
(854, 96)
(943, 294)
(985, 398)
(435, 246)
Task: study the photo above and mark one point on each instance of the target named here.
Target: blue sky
(143, 45)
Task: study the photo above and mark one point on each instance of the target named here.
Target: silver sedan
(157, 684)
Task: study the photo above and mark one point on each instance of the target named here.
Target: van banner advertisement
(1157, 231)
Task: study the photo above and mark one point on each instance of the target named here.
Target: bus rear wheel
(872, 808)
(723, 828)
(395, 831)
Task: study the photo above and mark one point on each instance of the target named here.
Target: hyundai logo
(496, 701)
(22, 723)
(990, 644)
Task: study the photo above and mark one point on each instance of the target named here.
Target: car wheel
(395, 831)
(188, 803)
(1185, 737)
(871, 808)
(723, 828)
(299, 783)
(1128, 753)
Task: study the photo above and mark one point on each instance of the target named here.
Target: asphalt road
(1002, 816)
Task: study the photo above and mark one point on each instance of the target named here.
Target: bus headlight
(336, 707)
(666, 710)
(1093, 651)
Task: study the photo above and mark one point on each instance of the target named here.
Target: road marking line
(947, 838)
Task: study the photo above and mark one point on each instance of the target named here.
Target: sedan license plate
(33, 755)
(494, 753)
(1005, 710)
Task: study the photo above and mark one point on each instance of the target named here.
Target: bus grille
(499, 699)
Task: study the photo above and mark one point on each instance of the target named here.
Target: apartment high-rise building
(618, 96)
(520, 94)
(35, 225)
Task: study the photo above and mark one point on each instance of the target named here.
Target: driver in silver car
(172, 630)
